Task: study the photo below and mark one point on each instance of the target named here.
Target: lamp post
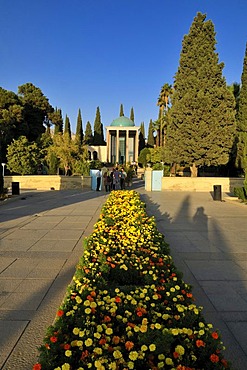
(3, 164)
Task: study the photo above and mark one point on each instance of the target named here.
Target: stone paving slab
(208, 242)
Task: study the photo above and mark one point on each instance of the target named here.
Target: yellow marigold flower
(88, 342)
(117, 354)
(133, 355)
(161, 356)
(143, 328)
(58, 368)
(76, 331)
(180, 349)
(78, 299)
(131, 365)
(81, 334)
(172, 290)
(165, 316)
(109, 331)
(136, 329)
(99, 329)
(97, 335)
(68, 353)
(98, 350)
(93, 305)
(161, 365)
(177, 287)
(144, 348)
(194, 358)
(180, 308)
(66, 366)
(174, 332)
(201, 332)
(168, 361)
(113, 366)
(152, 347)
(88, 311)
(157, 326)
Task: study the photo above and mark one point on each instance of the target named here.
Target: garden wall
(201, 183)
(48, 182)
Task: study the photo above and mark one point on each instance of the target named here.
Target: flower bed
(128, 307)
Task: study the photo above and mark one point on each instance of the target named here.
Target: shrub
(240, 193)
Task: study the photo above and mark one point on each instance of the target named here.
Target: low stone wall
(201, 183)
(48, 182)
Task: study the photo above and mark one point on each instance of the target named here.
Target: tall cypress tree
(98, 137)
(88, 137)
(203, 123)
(79, 129)
(121, 112)
(67, 126)
(241, 159)
(57, 119)
(141, 137)
(150, 140)
(132, 116)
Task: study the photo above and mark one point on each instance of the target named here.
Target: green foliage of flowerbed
(129, 307)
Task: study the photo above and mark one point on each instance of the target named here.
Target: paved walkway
(41, 242)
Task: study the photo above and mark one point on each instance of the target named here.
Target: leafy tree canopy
(202, 114)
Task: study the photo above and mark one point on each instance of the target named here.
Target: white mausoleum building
(122, 138)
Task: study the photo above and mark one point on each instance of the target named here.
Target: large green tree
(163, 104)
(203, 125)
(79, 129)
(67, 126)
(88, 137)
(150, 141)
(98, 137)
(12, 123)
(36, 107)
(142, 137)
(23, 156)
(132, 115)
(121, 111)
(57, 120)
(241, 159)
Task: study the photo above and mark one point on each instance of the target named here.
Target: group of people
(112, 180)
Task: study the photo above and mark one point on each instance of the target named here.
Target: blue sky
(89, 53)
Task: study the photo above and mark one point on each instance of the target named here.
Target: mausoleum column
(117, 145)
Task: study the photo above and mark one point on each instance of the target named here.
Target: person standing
(98, 179)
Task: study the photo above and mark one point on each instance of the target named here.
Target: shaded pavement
(41, 242)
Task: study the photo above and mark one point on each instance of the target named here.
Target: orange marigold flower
(53, 339)
(118, 299)
(200, 343)
(93, 294)
(90, 298)
(129, 345)
(224, 362)
(102, 341)
(66, 346)
(84, 354)
(116, 339)
(131, 324)
(215, 335)
(175, 354)
(37, 367)
(60, 313)
(107, 318)
(214, 358)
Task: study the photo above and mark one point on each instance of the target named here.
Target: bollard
(217, 192)
(15, 188)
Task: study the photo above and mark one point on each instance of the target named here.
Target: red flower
(107, 318)
(175, 354)
(66, 346)
(53, 339)
(129, 345)
(214, 358)
(102, 341)
(224, 362)
(84, 354)
(200, 343)
(37, 367)
(215, 335)
(118, 299)
(60, 313)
